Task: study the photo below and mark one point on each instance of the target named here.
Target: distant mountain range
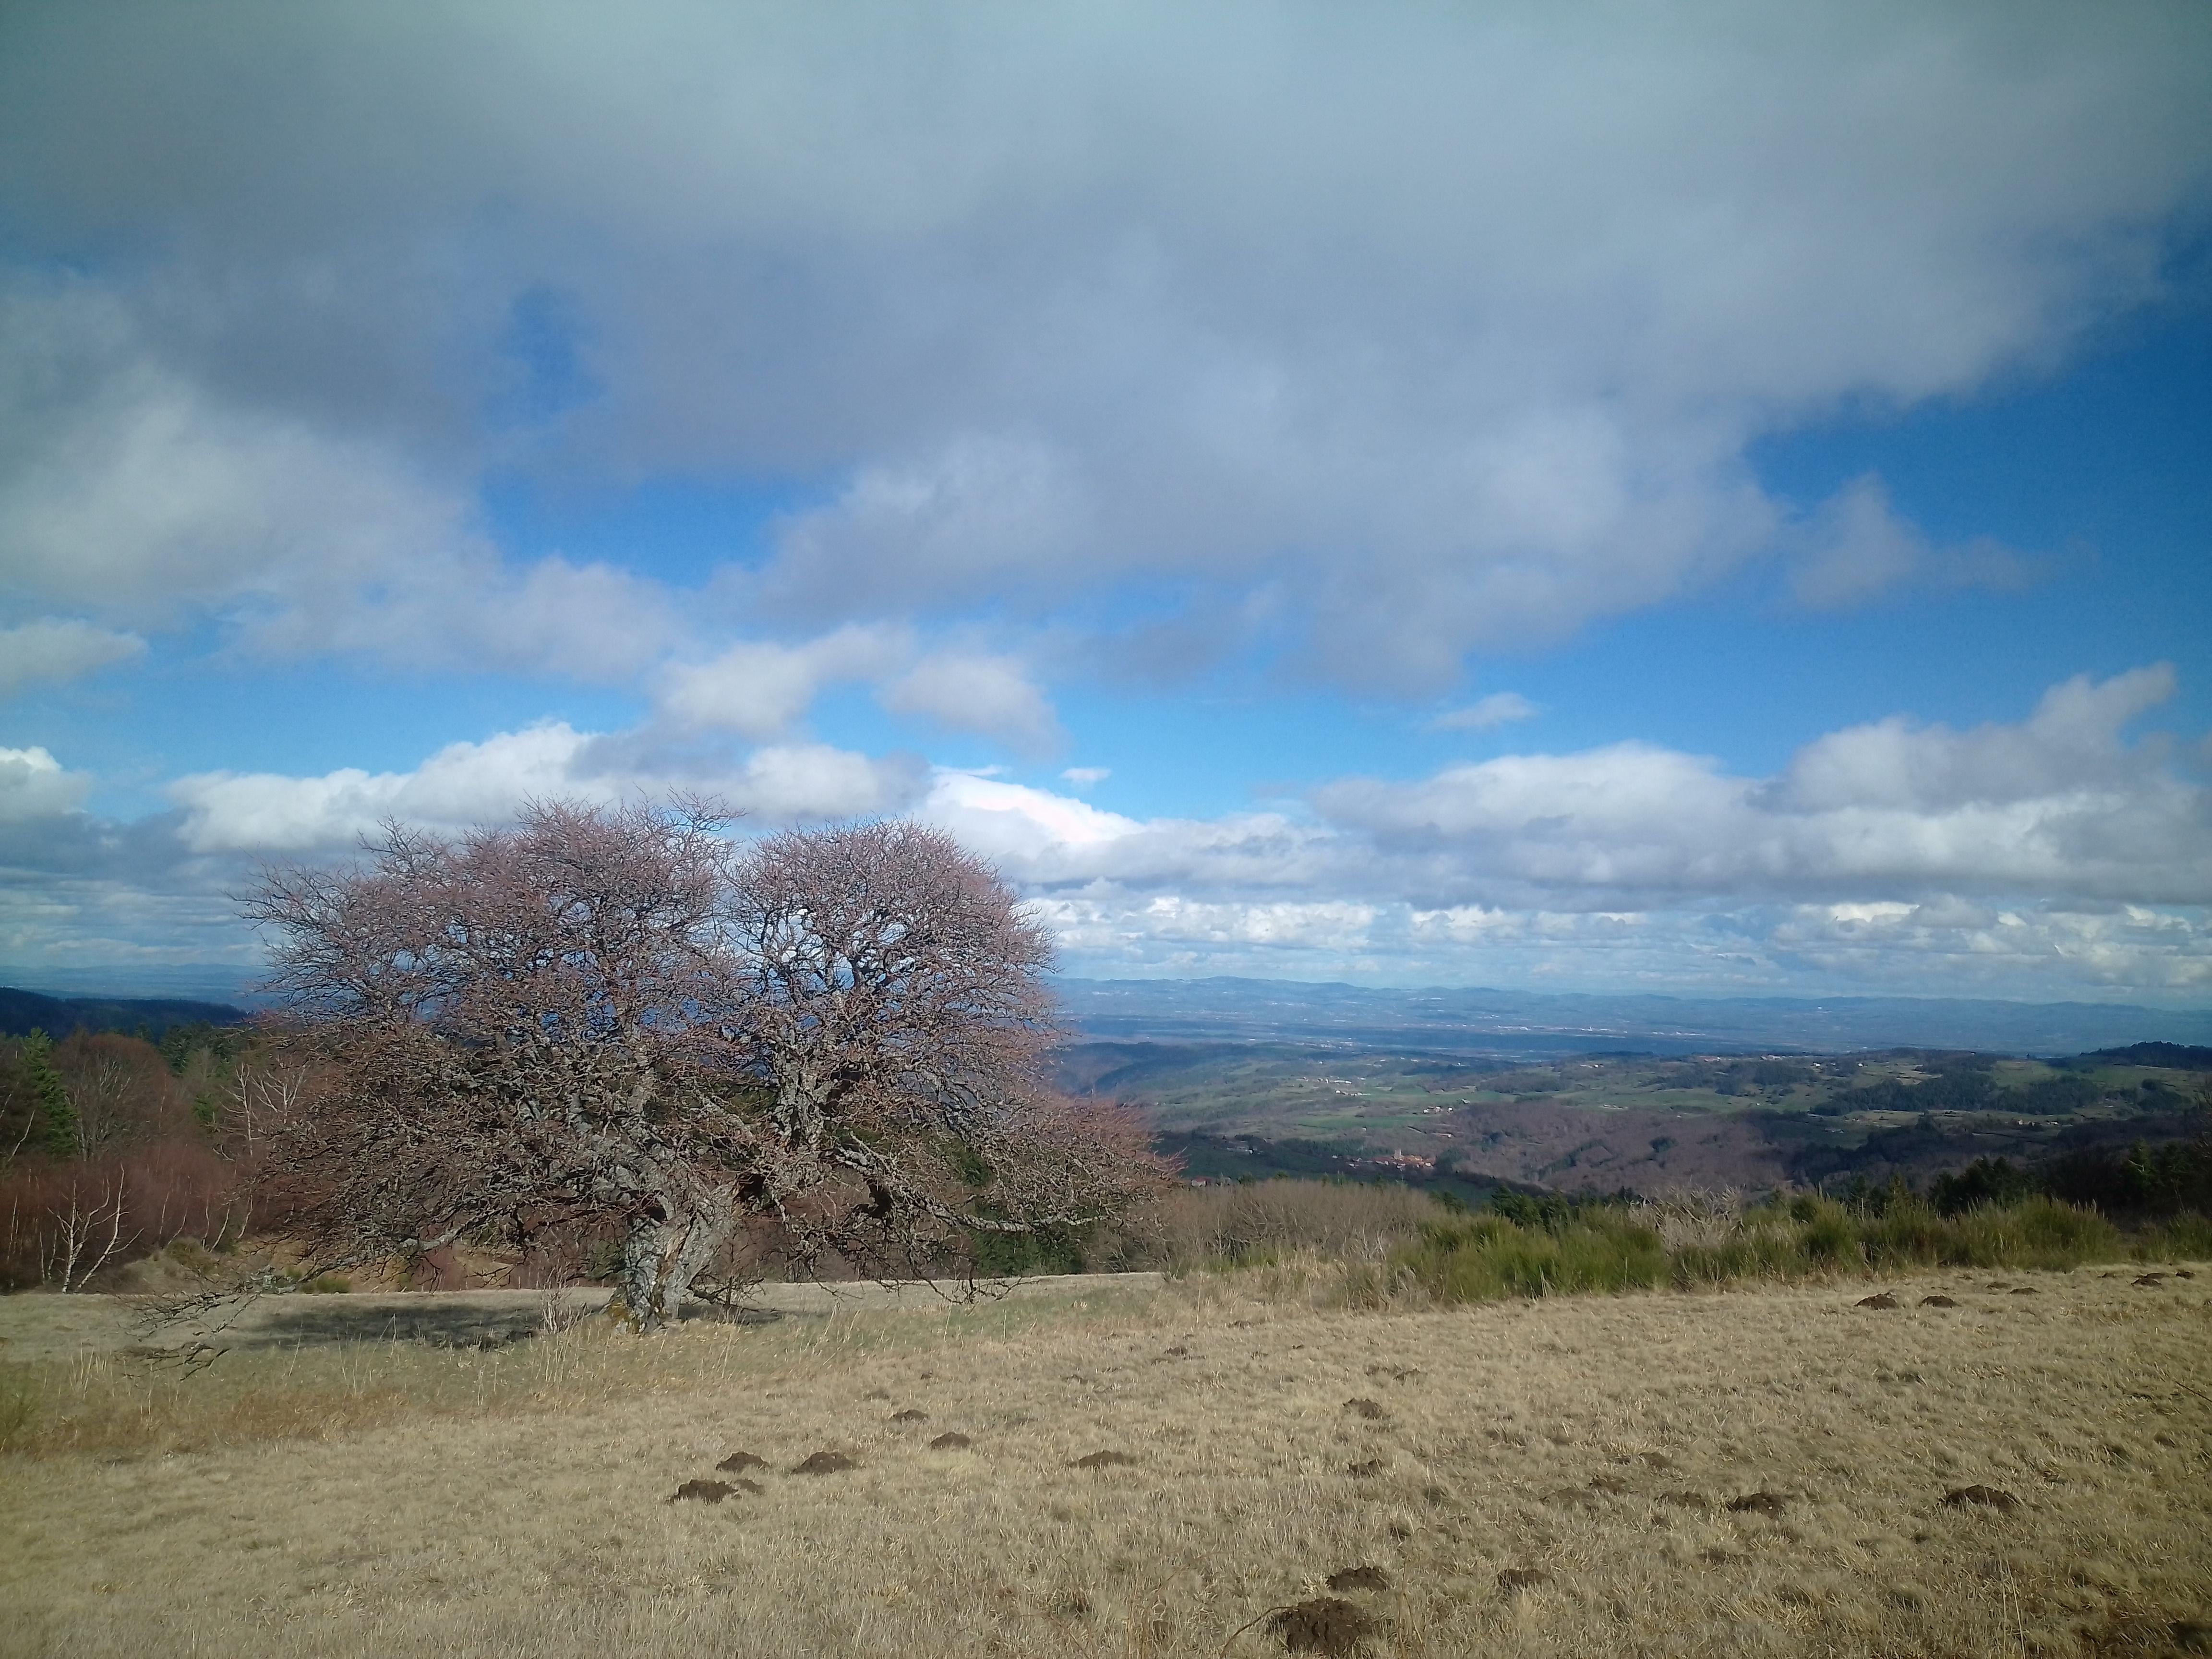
(1450, 1020)
(24, 1011)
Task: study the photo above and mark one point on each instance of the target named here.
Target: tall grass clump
(1620, 1245)
(1263, 1223)
(2185, 1237)
(1486, 1257)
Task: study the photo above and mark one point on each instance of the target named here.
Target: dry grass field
(1567, 1475)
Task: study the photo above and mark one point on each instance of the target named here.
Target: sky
(1702, 498)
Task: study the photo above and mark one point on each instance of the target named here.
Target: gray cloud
(1854, 547)
(60, 648)
(1403, 334)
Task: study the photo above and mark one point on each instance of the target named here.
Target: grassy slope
(513, 1502)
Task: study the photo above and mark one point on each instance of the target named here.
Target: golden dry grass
(514, 1502)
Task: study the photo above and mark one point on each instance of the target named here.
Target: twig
(1248, 1624)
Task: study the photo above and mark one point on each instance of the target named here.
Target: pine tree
(55, 1129)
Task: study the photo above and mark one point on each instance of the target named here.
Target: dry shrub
(1264, 1222)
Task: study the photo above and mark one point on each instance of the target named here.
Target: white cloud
(2071, 743)
(974, 692)
(60, 648)
(465, 784)
(1177, 927)
(34, 786)
(2010, 860)
(799, 783)
(1012, 822)
(760, 689)
(2051, 857)
(1498, 708)
(1084, 776)
(462, 784)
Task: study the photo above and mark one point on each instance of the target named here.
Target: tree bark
(664, 1254)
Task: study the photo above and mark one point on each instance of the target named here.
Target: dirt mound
(909, 1415)
(2151, 1281)
(950, 1440)
(1613, 1484)
(1327, 1624)
(1687, 1500)
(1515, 1579)
(1394, 1373)
(1937, 1302)
(1655, 1460)
(1758, 1503)
(2137, 1633)
(2025, 1290)
(1363, 1407)
(2183, 1273)
(1991, 1498)
(1359, 1578)
(1373, 1466)
(738, 1462)
(1880, 1299)
(704, 1491)
(824, 1463)
(1178, 1352)
(1104, 1460)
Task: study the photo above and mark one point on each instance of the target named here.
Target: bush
(1491, 1256)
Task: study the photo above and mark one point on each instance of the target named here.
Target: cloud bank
(2051, 856)
(1358, 342)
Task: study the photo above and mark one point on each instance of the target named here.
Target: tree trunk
(664, 1254)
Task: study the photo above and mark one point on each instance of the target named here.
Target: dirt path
(38, 1326)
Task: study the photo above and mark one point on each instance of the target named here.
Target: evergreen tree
(56, 1118)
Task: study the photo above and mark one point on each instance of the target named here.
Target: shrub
(1492, 1256)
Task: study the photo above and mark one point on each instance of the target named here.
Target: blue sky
(1599, 500)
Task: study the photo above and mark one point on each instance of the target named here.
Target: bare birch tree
(612, 1015)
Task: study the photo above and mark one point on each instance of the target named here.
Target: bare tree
(612, 1015)
(87, 1229)
(890, 1003)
